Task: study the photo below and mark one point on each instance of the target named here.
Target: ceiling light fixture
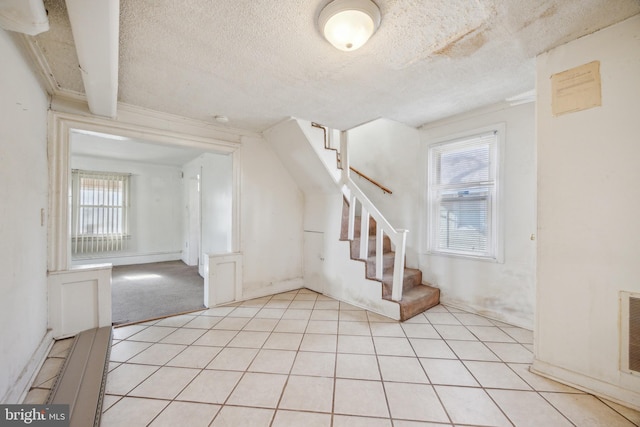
(348, 24)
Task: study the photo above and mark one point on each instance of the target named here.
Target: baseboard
(272, 289)
(481, 311)
(21, 387)
(612, 392)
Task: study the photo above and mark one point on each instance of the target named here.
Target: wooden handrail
(374, 182)
(371, 180)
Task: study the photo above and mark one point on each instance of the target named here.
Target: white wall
(155, 215)
(389, 153)
(216, 201)
(588, 234)
(272, 208)
(395, 155)
(23, 248)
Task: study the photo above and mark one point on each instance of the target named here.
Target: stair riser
(355, 247)
(408, 282)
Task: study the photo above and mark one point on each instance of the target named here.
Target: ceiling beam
(95, 26)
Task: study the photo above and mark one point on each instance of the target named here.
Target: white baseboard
(272, 289)
(612, 392)
(21, 387)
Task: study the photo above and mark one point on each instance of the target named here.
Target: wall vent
(630, 329)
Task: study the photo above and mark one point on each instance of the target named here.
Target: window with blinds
(100, 204)
(462, 196)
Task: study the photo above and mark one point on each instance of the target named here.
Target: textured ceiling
(259, 61)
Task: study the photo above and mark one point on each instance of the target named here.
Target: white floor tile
(322, 327)
(402, 369)
(186, 414)
(358, 397)
(216, 338)
(528, 409)
(283, 341)
(183, 336)
(195, 357)
(259, 390)
(234, 416)
(314, 364)
(297, 419)
(261, 325)
(471, 406)
(125, 350)
(233, 359)
(248, 339)
(132, 412)
(357, 366)
(353, 421)
(586, 410)
(354, 328)
(496, 375)
(355, 344)
(392, 346)
(380, 329)
(165, 383)
(511, 353)
(308, 394)
(231, 323)
(432, 348)
(152, 334)
(472, 350)
(414, 402)
(419, 330)
(317, 342)
(126, 377)
(125, 332)
(203, 322)
(273, 361)
(210, 387)
(158, 354)
(454, 332)
(448, 372)
(538, 382)
(291, 325)
(490, 333)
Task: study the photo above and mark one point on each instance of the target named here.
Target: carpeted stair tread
(418, 299)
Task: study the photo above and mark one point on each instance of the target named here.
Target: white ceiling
(259, 61)
(98, 145)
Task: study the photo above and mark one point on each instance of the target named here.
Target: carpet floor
(148, 291)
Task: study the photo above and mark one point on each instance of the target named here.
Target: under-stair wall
(301, 149)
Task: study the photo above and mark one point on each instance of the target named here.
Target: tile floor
(303, 359)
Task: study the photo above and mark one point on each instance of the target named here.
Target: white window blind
(462, 196)
(100, 204)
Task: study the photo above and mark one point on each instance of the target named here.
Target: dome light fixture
(348, 24)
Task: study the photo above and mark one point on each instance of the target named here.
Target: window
(463, 197)
(100, 202)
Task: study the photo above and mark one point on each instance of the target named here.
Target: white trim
(624, 396)
(19, 389)
(60, 126)
(498, 216)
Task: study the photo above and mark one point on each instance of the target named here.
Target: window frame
(496, 204)
(99, 239)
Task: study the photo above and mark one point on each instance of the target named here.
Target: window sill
(489, 259)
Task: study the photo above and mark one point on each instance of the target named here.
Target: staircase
(350, 225)
(416, 297)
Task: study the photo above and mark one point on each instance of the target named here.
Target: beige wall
(588, 210)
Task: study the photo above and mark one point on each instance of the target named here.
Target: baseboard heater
(82, 379)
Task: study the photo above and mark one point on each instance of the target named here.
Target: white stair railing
(398, 237)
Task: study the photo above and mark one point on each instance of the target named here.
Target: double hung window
(463, 196)
(100, 205)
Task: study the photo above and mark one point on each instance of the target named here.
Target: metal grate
(634, 334)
